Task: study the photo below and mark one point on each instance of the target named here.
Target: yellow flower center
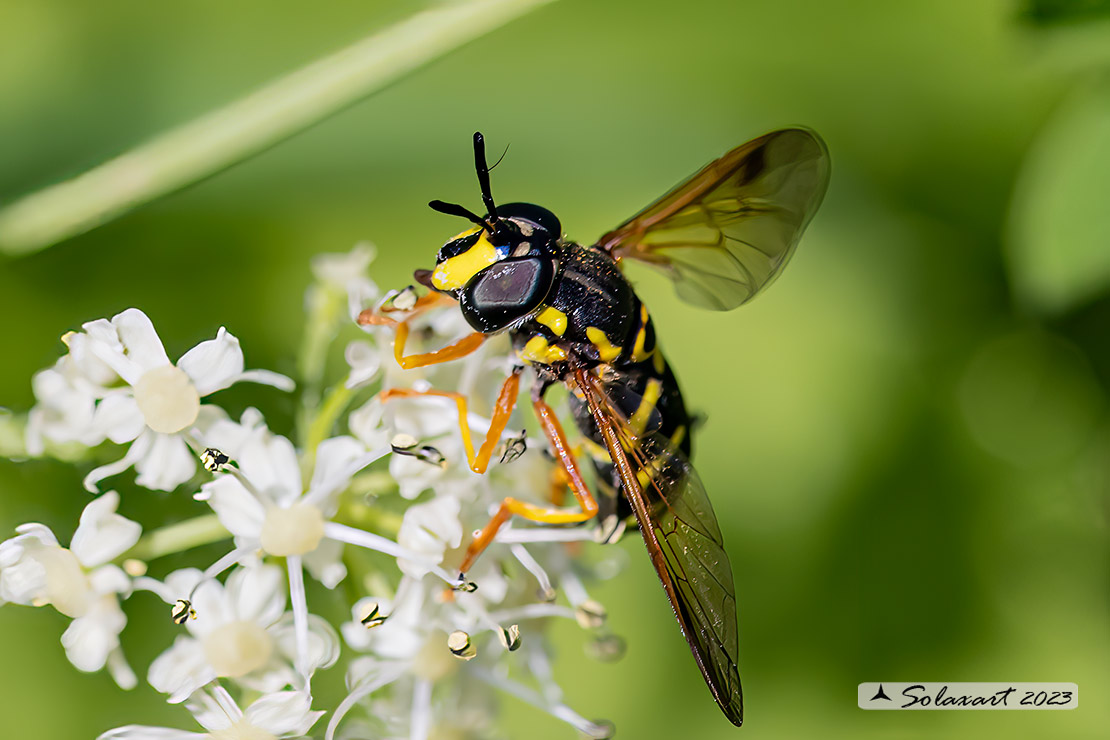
(295, 530)
(237, 648)
(241, 730)
(167, 398)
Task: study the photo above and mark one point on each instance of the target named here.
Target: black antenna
(483, 174)
(453, 209)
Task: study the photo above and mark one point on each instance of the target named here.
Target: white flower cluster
(426, 654)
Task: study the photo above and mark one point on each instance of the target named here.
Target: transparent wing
(685, 545)
(726, 233)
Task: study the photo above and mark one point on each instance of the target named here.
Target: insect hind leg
(509, 507)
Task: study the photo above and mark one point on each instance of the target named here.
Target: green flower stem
(13, 442)
(325, 308)
(323, 421)
(246, 127)
(174, 538)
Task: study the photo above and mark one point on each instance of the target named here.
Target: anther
(405, 300)
(467, 587)
(213, 460)
(182, 611)
(374, 617)
(458, 642)
(510, 637)
(590, 614)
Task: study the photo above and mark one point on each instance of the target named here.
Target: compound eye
(506, 292)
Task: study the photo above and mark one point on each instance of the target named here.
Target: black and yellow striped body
(593, 317)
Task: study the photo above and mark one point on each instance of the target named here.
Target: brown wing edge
(730, 701)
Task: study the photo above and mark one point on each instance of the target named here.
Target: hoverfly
(722, 236)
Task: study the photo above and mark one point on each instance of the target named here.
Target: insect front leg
(533, 512)
(454, 351)
(503, 409)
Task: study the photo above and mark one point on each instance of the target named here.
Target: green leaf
(1059, 232)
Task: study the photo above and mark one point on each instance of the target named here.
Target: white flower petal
(325, 563)
(22, 576)
(230, 436)
(142, 732)
(180, 670)
(429, 529)
(121, 671)
(274, 676)
(109, 579)
(103, 346)
(213, 608)
(83, 358)
(269, 461)
(36, 531)
(103, 534)
(360, 295)
(323, 642)
(257, 594)
(284, 714)
(135, 453)
(367, 423)
(177, 585)
(118, 418)
(65, 410)
(266, 377)
(214, 364)
(333, 459)
(90, 638)
(414, 476)
(239, 511)
(167, 464)
(140, 340)
(211, 713)
(365, 362)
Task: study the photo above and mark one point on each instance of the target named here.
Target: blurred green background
(908, 435)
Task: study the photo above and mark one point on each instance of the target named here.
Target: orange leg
(453, 351)
(557, 494)
(532, 512)
(423, 303)
(506, 400)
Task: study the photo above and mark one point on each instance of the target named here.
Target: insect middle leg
(506, 400)
(510, 506)
(453, 351)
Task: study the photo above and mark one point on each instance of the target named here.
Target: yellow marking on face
(639, 420)
(553, 319)
(539, 351)
(638, 353)
(455, 272)
(605, 349)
